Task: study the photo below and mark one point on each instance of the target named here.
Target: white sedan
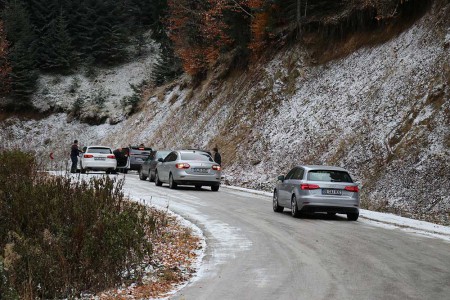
(98, 158)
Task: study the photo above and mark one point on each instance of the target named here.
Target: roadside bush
(60, 237)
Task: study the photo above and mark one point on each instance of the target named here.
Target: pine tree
(57, 55)
(5, 68)
(167, 67)
(23, 75)
(22, 52)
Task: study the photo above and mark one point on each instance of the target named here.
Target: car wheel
(352, 216)
(276, 207)
(157, 181)
(172, 183)
(125, 171)
(198, 187)
(83, 170)
(294, 208)
(141, 175)
(215, 188)
(151, 177)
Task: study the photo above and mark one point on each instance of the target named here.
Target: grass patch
(60, 237)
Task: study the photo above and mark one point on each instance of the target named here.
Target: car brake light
(305, 186)
(88, 156)
(352, 188)
(111, 156)
(182, 166)
(216, 167)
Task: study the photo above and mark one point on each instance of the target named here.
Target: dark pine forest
(61, 36)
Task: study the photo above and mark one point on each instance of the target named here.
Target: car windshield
(196, 156)
(329, 176)
(99, 150)
(161, 154)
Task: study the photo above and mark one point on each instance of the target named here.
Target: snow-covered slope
(382, 112)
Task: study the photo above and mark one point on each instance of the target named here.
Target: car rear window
(196, 156)
(329, 176)
(99, 150)
(141, 151)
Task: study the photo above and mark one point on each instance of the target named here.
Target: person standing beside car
(216, 156)
(74, 153)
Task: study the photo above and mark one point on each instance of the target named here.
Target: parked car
(317, 189)
(131, 157)
(138, 154)
(98, 158)
(188, 167)
(148, 168)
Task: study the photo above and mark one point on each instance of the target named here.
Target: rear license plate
(331, 192)
(200, 170)
(99, 158)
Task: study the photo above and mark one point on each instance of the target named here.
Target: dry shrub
(60, 236)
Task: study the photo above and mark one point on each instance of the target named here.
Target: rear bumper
(100, 166)
(188, 179)
(331, 209)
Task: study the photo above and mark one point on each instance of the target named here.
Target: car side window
(171, 157)
(290, 174)
(298, 175)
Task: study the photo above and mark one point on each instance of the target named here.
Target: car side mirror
(160, 160)
(281, 178)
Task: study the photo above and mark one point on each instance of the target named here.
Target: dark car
(138, 154)
(148, 168)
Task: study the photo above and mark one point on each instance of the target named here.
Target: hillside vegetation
(362, 84)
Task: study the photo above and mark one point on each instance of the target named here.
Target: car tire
(294, 208)
(151, 177)
(172, 183)
(157, 181)
(83, 171)
(198, 187)
(215, 188)
(352, 216)
(276, 207)
(141, 175)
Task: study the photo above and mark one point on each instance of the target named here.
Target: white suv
(98, 158)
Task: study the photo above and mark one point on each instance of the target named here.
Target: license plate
(200, 170)
(331, 192)
(99, 158)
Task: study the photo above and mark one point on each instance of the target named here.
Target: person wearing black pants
(74, 153)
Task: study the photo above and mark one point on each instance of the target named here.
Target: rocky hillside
(383, 112)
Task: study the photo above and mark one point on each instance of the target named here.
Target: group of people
(75, 153)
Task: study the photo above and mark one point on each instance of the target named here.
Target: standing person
(74, 153)
(217, 157)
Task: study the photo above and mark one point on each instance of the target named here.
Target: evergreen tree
(23, 75)
(5, 68)
(57, 55)
(167, 67)
(20, 33)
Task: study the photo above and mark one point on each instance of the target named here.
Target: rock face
(382, 112)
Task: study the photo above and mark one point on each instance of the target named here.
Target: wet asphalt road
(255, 253)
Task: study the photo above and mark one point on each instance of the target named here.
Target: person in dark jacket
(217, 157)
(74, 153)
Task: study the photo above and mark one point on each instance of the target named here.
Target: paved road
(254, 253)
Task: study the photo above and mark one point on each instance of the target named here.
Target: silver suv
(317, 189)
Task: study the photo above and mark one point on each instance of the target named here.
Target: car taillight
(88, 156)
(111, 156)
(305, 186)
(216, 167)
(352, 188)
(182, 166)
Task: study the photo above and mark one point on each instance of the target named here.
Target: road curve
(254, 253)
